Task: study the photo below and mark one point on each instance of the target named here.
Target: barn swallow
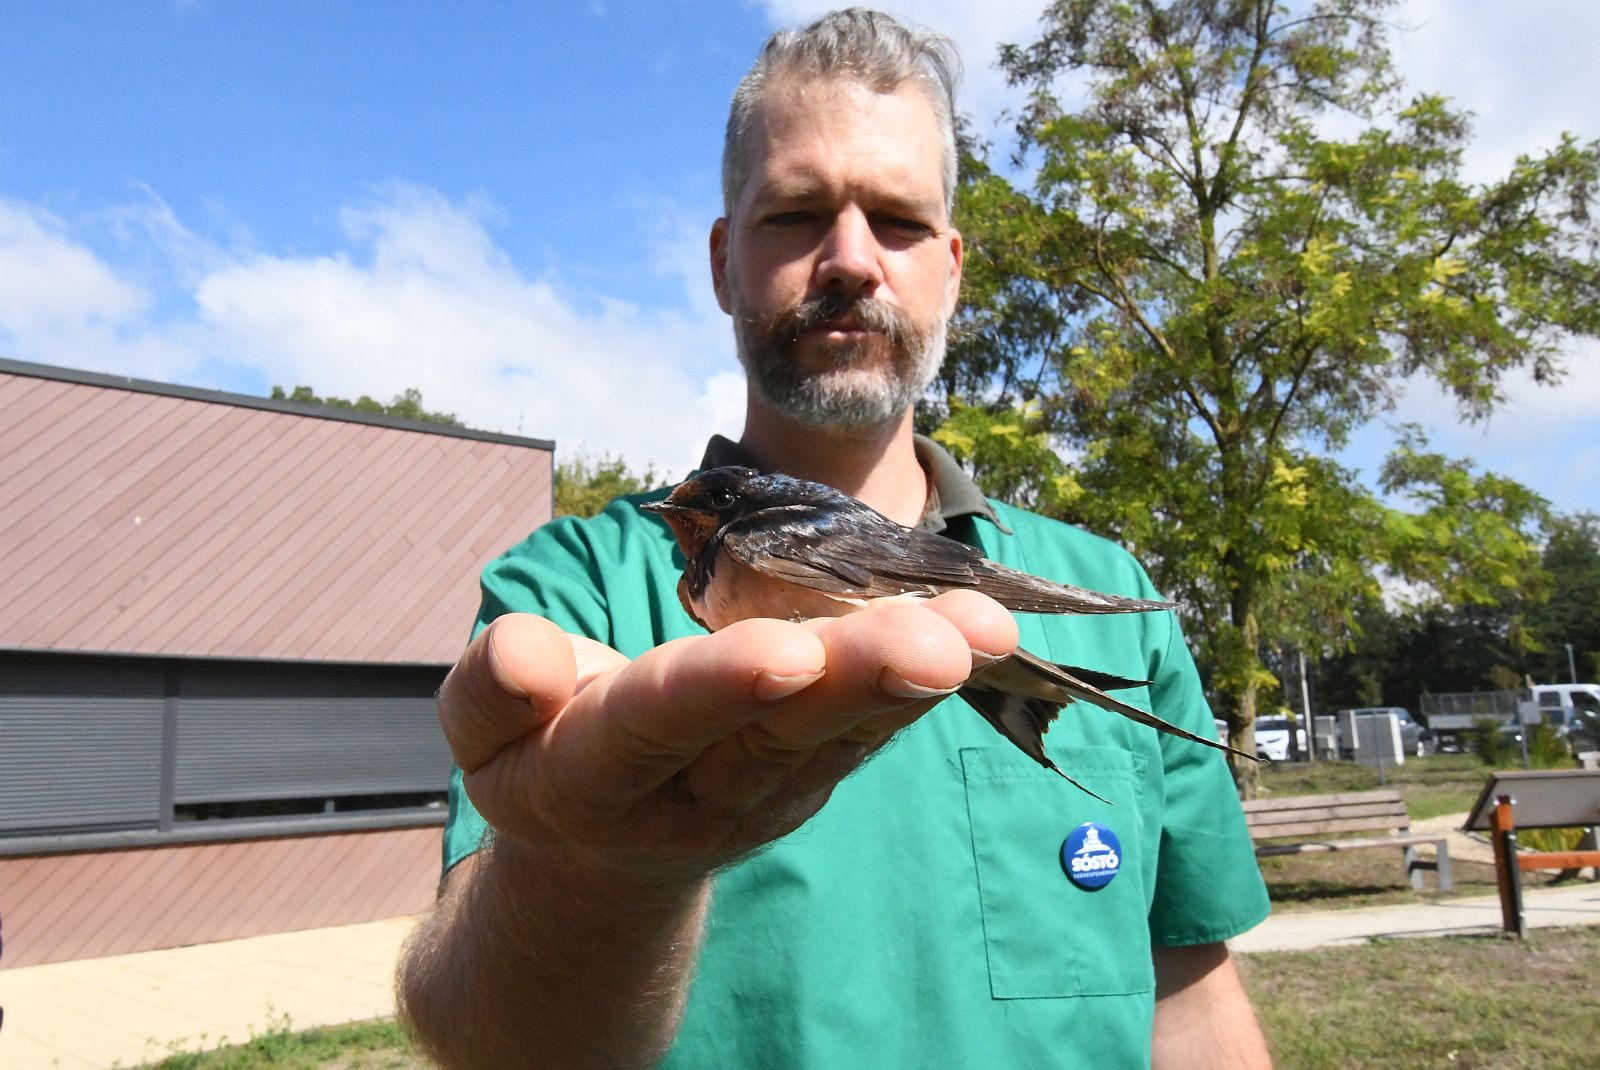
(759, 545)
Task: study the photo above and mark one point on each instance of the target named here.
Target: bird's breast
(738, 592)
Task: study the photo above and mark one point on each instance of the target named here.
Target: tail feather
(1021, 695)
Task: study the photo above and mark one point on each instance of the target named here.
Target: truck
(1571, 709)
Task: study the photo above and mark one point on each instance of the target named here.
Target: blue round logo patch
(1091, 856)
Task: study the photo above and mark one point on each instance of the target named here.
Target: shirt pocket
(1045, 937)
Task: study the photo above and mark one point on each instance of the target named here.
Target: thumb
(518, 673)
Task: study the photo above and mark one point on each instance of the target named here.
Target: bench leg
(1414, 869)
(1446, 878)
(1508, 875)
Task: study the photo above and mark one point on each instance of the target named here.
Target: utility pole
(1305, 710)
(1572, 666)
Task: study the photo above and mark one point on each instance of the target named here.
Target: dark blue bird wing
(858, 554)
(854, 551)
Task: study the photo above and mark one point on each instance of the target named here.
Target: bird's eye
(721, 498)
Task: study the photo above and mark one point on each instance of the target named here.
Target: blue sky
(505, 204)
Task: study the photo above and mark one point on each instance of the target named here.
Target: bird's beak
(658, 507)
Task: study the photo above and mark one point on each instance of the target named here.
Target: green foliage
(1493, 747)
(1572, 612)
(1500, 750)
(1010, 454)
(1547, 748)
(1200, 295)
(585, 485)
(406, 405)
(1399, 655)
(1479, 646)
(1549, 839)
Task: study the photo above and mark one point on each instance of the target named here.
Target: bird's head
(699, 506)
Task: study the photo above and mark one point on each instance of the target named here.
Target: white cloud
(1526, 71)
(420, 296)
(1541, 436)
(49, 283)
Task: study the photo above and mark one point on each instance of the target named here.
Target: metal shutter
(296, 731)
(80, 744)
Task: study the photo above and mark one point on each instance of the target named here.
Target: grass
(1468, 1003)
(1457, 1002)
(377, 1045)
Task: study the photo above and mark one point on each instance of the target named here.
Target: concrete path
(1567, 904)
(127, 1010)
(132, 1009)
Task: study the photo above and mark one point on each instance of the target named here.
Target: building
(222, 625)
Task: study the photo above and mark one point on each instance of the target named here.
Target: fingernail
(892, 683)
(770, 687)
(982, 659)
(497, 671)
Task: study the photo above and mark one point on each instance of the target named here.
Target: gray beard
(871, 382)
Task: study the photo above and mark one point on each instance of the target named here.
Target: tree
(1399, 656)
(1202, 294)
(1572, 612)
(406, 405)
(585, 484)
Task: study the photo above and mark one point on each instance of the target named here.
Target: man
(677, 871)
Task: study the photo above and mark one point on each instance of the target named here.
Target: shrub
(1547, 748)
(1494, 747)
(1549, 839)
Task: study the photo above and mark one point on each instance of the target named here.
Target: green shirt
(923, 917)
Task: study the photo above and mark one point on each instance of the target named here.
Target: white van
(1574, 709)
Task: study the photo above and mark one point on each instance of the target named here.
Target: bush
(1494, 747)
(1549, 839)
(1547, 748)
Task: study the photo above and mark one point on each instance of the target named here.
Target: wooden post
(1507, 874)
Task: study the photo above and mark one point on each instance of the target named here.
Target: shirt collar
(951, 492)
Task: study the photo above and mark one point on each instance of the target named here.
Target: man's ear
(957, 255)
(721, 232)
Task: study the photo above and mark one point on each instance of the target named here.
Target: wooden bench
(1330, 817)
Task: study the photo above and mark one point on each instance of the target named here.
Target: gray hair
(869, 47)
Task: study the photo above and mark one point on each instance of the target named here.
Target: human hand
(703, 748)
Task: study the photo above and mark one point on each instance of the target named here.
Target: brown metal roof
(144, 518)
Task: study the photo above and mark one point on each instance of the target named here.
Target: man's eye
(788, 219)
(909, 227)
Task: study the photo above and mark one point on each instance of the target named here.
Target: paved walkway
(127, 1010)
(1542, 908)
(131, 1009)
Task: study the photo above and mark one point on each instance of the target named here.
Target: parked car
(1414, 739)
(1272, 739)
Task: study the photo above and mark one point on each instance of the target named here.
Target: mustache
(873, 314)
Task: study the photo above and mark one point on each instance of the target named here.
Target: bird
(772, 545)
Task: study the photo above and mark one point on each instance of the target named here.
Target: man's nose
(849, 258)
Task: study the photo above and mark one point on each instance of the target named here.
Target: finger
(520, 671)
(886, 667)
(894, 660)
(634, 729)
(988, 627)
(592, 658)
